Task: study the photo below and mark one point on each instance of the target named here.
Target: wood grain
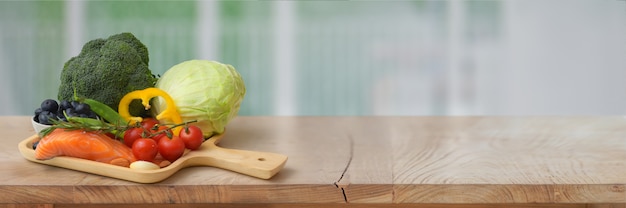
(510, 160)
(258, 205)
(365, 162)
(255, 205)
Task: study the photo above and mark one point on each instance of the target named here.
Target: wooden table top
(377, 160)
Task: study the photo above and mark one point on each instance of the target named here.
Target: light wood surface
(366, 161)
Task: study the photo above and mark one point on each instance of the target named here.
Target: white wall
(565, 57)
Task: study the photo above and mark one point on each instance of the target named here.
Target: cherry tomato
(192, 137)
(171, 149)
(145, 149)
(160, 135)
(131, 135)
(148, 123)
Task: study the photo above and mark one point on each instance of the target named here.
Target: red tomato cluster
(151, 139)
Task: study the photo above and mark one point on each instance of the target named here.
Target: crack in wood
(343, 191)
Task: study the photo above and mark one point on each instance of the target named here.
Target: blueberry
(45, 117)
(65, 105)
(61, 116)
(70, 112)
(75, 103)
(38, 111)
(82, 108)
(36, 118)
(35, 144)
(50, 105)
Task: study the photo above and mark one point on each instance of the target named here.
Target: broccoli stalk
(106, 70)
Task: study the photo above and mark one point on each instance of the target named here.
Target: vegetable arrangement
(108, 92)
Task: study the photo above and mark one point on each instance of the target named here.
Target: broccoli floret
(106, 70)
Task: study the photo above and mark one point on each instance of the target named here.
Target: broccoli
(107, 69)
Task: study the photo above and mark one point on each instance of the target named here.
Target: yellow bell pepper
(170, 113)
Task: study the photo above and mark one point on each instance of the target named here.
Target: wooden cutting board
(258, 164)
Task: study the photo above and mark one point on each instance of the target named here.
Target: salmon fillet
(82, 144)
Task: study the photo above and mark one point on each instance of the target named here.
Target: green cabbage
(206, 91)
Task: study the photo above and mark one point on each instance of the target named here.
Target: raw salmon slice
(82, 144)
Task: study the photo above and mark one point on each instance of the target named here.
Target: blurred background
(510, 57)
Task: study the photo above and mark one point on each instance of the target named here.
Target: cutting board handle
(258, 164)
